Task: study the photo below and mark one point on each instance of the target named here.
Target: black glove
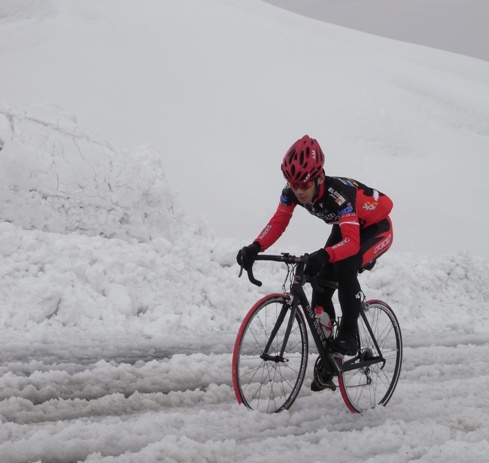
(317, 260)
(247, 255)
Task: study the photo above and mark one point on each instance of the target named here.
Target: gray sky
(459, 26)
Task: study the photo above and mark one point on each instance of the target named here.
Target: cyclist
(361, 232)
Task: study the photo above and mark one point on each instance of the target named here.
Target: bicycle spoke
(367, 386)
(270, 383)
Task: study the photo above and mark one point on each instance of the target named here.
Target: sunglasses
(301, 185)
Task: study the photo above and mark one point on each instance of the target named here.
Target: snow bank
(190, 288)
(68, 280)
(92, 238)
(438, 296)
(55, 178)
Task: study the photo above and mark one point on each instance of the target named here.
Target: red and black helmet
(303, 161)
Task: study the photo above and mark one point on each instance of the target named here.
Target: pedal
(320, 380)
(318, 385)
(329, 385)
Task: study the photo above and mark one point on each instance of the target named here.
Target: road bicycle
(272, 349)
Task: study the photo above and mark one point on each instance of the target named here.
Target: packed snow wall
(55, 178)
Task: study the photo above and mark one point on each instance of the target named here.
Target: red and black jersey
(343, 201)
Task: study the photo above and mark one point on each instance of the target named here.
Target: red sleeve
(276, 226)
(350, 242)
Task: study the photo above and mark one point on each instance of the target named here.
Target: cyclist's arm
(350, 242)
(276, 226)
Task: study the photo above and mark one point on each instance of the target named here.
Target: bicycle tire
(269, 385)
(367, 387)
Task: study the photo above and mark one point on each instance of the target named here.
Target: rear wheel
(366, 387)
(265, 379)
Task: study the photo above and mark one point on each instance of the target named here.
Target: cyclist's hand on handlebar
(246, 256)
(317, 260)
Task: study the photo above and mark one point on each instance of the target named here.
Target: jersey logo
(284, 200)
(347, 210)
(338, 199)
(341, 243)
(265, 231)
(370, 206)
(348, 181)
(383, 244)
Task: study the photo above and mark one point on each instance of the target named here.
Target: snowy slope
(119, 297)
(220, 90)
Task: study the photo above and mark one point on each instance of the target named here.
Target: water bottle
(324, 320)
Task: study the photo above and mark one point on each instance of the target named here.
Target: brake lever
(251, 277)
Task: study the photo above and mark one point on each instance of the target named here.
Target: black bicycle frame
(347, 366)
(298, 294)
(298, 297)
(353, 364)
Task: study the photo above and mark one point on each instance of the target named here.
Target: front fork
(280, 319)
(297, 296)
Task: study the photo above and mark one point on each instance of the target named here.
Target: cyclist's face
(306, 192)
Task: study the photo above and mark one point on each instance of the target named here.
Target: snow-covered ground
(140, 148)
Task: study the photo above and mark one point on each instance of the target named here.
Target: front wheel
(367, 386)
(270, 355)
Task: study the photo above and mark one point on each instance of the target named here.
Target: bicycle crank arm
(353, 365)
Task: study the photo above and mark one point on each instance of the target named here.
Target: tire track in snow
(109, 411)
